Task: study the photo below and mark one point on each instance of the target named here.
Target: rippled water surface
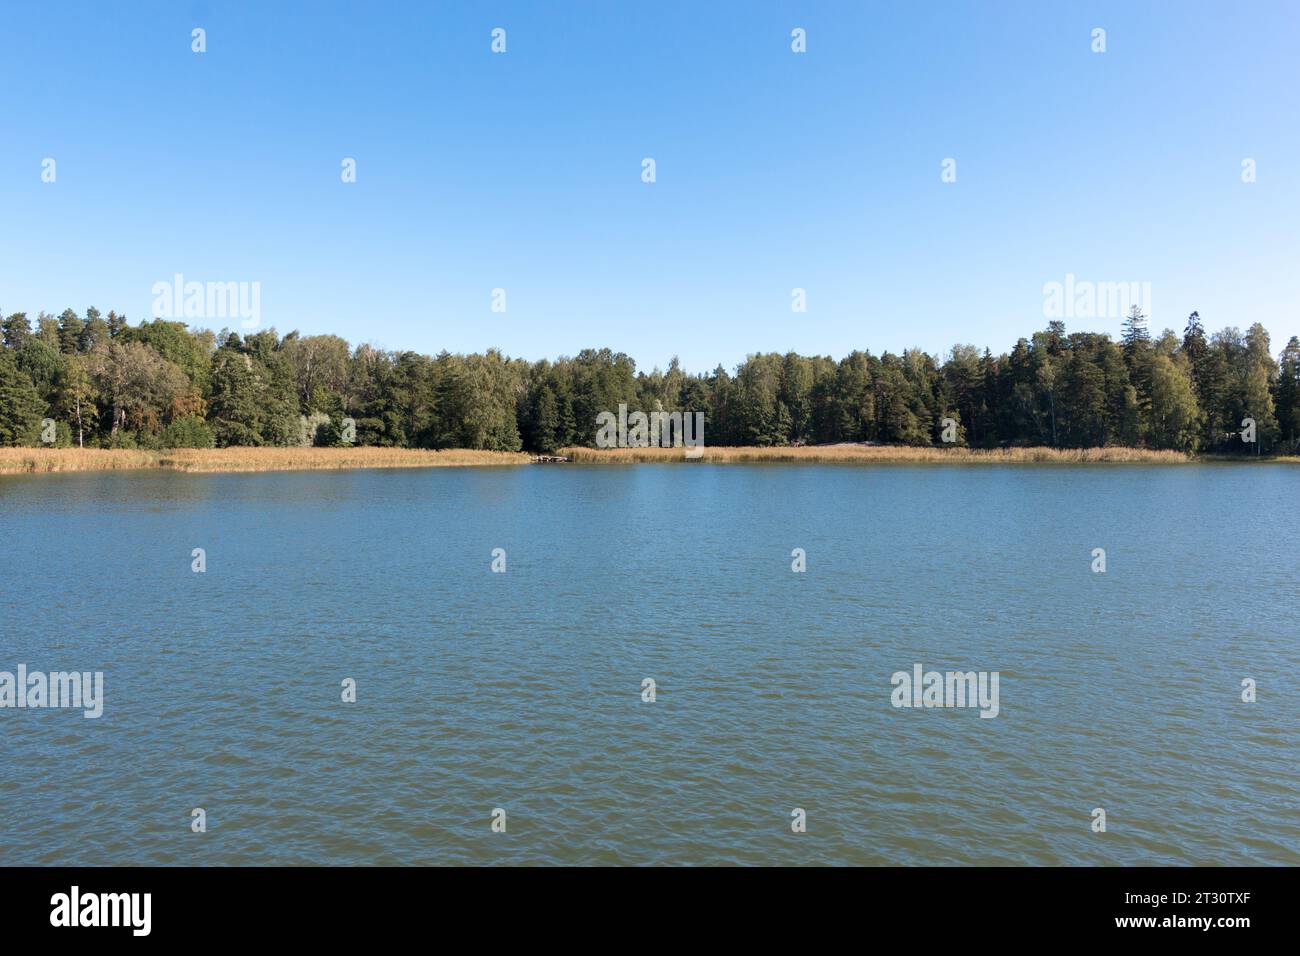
(522, 690)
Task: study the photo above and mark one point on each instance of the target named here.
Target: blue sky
(775, 170)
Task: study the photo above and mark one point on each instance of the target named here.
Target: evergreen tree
(235, 407)
(16, 330)
(21, 408)
(1288, 395)
(1261, 380)
(71, 329)
(109, 383)
(1137, 355)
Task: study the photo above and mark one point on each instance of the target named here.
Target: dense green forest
(160, 384)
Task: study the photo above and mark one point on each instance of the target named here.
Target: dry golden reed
(31, 460)
(39, 460)
(882, 454)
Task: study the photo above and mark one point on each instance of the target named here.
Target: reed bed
(41, 460)
(33, 460)
(879, 454)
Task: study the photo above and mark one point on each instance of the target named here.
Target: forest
(106, 383)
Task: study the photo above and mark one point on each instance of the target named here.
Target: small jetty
(548, 459)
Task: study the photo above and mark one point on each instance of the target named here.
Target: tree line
(105, 383)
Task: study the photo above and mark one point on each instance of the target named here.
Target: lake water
(522, 690)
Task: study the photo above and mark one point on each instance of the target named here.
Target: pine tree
(16, 330)
(1261, 379)
(71, 328)
(1136, 341)
(1136, 337)
(1288, 394)
(21, 407)
(547, 422)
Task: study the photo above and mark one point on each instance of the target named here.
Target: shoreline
(898, 454)
(28, 461)
(40, 461)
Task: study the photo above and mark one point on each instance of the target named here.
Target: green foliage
(189, 351)
(21, 407)
(329, 434)
(237, 401)
(310, 429)
(162, 384)
(77, 396)
(1175, 416)
(15, 330)
(71, 329)
(137, 386)
(1288, 395)
(188, 431)
(41, 362)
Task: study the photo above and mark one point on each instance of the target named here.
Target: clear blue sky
(775, 170)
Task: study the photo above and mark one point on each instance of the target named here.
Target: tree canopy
(161, 384)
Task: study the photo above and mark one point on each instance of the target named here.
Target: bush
(62, 435)
(309, 428)
(330, 434)
(188, 432)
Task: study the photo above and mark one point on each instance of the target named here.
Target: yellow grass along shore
(41, 460)
(878, 454)
(236, 459)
